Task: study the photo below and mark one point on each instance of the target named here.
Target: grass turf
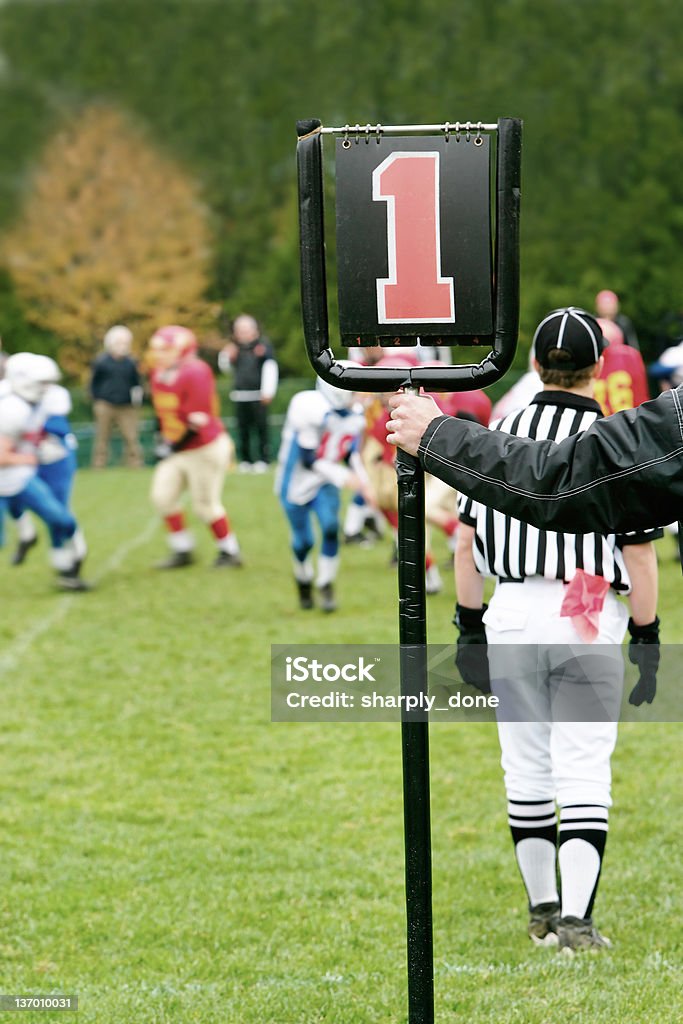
(170, 855)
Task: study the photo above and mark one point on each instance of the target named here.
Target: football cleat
(224, 559)
(22, 549)
(372, 528)
(176, 560)
(305, 595)
(71, 581)
(327, 599)
(544, 919)
(360, 539)
(354, 538)
(576, 934)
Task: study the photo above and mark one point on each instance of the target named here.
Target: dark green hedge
(221, 84)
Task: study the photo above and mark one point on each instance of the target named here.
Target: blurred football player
(379, 460)
(440, 499)
(622, 381)
(28, 378)
(197, 449)
(318, 456)
(56, 466)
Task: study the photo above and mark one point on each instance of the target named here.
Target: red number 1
(415, 290)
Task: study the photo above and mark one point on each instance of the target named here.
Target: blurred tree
(111, 231)
(220, 85)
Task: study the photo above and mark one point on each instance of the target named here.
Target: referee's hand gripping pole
(411, 414)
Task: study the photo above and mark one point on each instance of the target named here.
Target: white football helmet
(29, 375)
(338, 398)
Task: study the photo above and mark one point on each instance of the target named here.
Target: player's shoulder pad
(197, 368)
(56, 401)
(14, 413)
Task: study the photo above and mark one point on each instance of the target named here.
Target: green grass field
(169, 855)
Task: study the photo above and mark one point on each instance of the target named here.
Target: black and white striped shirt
(510, 549)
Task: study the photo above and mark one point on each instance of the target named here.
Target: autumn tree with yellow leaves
(112, 231)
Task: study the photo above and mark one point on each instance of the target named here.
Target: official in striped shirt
(510, 549)
(556, 594)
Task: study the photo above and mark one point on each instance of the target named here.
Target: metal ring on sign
(467, 129)
(357, 134)
(378, 129)
(346, 144)
(447, 131)
(457, 131)
(368, 129)
(478, 140)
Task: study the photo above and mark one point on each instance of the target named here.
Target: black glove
(471, 658)
(179, 445)
(643, 651)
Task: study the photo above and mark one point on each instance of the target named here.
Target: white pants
(199, 470)
(546, 678)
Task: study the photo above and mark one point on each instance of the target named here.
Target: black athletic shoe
(372, 529)
(576, 934)
(22, 549)
(71, 581)
(544, 919)
(224, 559)
(327, 600)
(359, 539)
(305, 595)
(176, 560)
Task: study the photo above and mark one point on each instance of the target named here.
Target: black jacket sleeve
(624, 473)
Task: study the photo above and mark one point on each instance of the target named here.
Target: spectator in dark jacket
(116, 391)
(250, 357)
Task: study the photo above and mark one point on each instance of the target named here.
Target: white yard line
(10, 658)
(123, 550)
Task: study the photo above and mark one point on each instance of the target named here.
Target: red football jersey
(622, 383)
(475, 403)
(376, 419)
(176, 393)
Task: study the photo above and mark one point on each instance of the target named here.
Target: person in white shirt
(318, 456)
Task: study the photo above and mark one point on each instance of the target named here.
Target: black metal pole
(411, 525)
(415, 738)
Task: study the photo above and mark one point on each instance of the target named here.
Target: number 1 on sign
(415, 290)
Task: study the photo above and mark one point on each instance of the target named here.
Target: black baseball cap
(572, 331)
